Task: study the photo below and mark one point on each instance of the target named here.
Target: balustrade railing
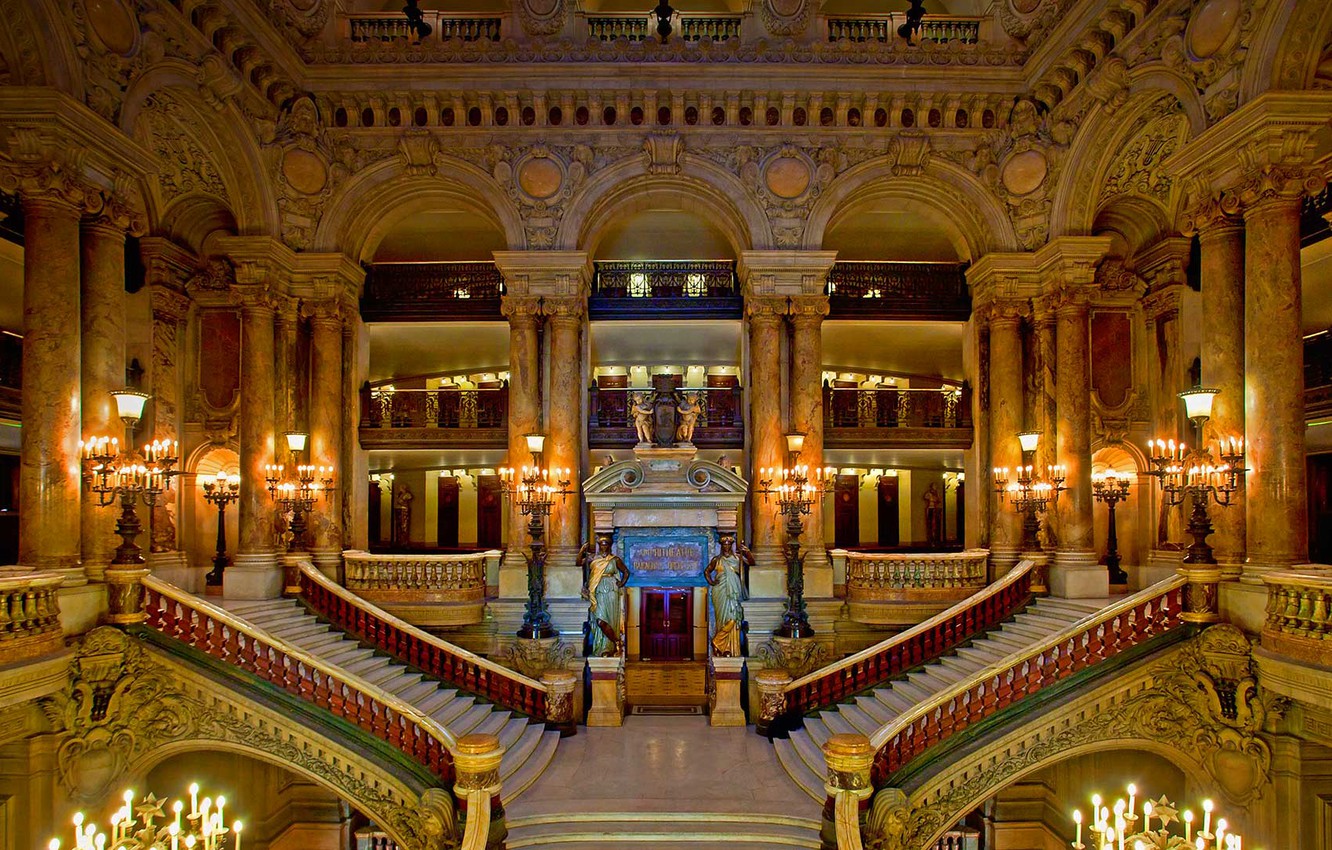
(215, 632)
(720, 424)
(899, 290)
(432, 291)
(634, 27)
(883, 28)
(958, 839)
(448, 407)
(29, 614)
(899, 589)
(370, 838)
(889, 407)
(1099, 637)
(922, 643)
(389, 26)
(1299, 615)
(425, 652)
(426, 590)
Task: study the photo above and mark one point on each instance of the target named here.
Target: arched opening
(202, 515)
(1132, 542)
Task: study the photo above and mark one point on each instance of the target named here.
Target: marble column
(1005, 423)
(1045, 407)
(169, 308)
(1221, 261)
(256, 572)
(355, 464)
(564, 439)
(1075, 572)
(326, 428)
(102, 304)
(524, 316)
(767, 439)
(1276, 498)
(979, 502)
(286, 409)
(49, 464)
(807, 313)
(1167, 379)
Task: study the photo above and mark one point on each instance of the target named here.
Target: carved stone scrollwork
(786, 17)
(797, 656)
(541, 17)
(532, 658)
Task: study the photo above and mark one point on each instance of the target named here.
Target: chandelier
(1160, 827)
(295, 493)
(534, 489)
(145, 825)
(1031, 493)
(797, 488)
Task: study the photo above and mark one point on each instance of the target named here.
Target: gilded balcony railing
(443, 291)
(449, 407)
(720, 424)
(665, 289)
(1111, 632)
(634, 27)
(902, 589)
(430, 591)
(1299, 615)
(29, 614)
(433, 656)
(899, 290)
(859, 416)
(884, 28)
(922, 643)
(390, 26)
(217, 633)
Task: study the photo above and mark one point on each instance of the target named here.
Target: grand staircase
(529, 747)
(663, 831)
(801, 754)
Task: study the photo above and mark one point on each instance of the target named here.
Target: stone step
(662, 830)
(859, 719)
(803, 775)
(537, 748)
(809, 749)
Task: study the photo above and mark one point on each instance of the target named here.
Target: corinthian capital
(565, 309)
(521, 309)
(765, 309)
(809, 308)
(1267, 184)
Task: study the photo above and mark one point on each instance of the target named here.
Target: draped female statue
(724, 575)
(606, 577)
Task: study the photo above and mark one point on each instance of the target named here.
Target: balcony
(886, 290)
(686, 289)
(434, 419)
(432, 292)
(888, 417)
(390, 26)
(883, 28)
(1318, 376)
(634, 27)
(905, 589)
(610, 424)
(430, 591)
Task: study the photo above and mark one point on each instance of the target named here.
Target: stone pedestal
(1078, 575)
(252, 576)
(798, 656)
(534, 657)
(724, 701)
(560, 687)
(607, 693)
(771, 685)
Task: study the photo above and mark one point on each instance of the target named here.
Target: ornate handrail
(889, 407)
(446, 407)
(367, 571)
(439, 290)
(422, 650)
(884, 289)
(1299, 614)
(1095, 638)
(915, 646)
(29, 613)
(216, 632)
(919, 571)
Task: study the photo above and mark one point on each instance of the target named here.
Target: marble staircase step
(809, 780)
(660, 831)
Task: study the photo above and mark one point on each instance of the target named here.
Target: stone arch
(701, 187)
(1285, 51)
(955, 193)
(1106, 134)
(38, 48)
(192, 219)
(199, 517)
(199, 147)
(376, 198)
(1139, 222)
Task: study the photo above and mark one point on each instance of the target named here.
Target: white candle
(1188, 826)
(1147, 817)
(1133, 796)
(1207, 818)
(236, 828)
(194, 799)
(1077, 819)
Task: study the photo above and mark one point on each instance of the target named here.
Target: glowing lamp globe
(1029, 440)
(1198, 402)
(129, 404)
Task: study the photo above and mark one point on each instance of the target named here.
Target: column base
(253, 575)
(328, 562)
(1075, 574)
(172, 566)
(724, 705)
(607, 695)
(1002, 560)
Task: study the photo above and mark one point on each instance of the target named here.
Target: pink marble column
(169, 309)
(807, 313)
(355, 465)
(564, 440)
(1167, 381)
(49, 471)
(768, 440)
(326, 427)
(1221, 261)
(1075, 571)
(1276, 501)
(255, 573)
(1005, 424)
(979, 500)
(1045, 407)
(524, 315)
(102, 267)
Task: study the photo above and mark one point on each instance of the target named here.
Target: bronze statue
(726, 589)
(933, 516)
(606, 577)
(689, 409)
(402, 514)
(642, 410)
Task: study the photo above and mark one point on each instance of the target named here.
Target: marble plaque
(667, 558)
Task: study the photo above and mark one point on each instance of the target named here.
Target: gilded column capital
(565, 310)
(1208, 213)
(766, 309)
(1007, 310)
(1070, 301)
(521, 310)
(167, 303)
(809, 309)
(50, 182)
(1265, 184)
(258, 298)
(1162, 305)
(1043, 310)
(327, 313)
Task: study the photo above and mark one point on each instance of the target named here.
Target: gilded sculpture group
(607, 576)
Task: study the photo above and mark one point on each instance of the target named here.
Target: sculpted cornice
(326, 277)
(784, 273)
(545, 273)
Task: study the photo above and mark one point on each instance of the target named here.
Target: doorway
(667, 627)
(888, 518)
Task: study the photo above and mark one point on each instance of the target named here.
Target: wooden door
(446, 518)
(888, 529)
(666, 626)
(376, 532)
(846, 511)
(489, 520)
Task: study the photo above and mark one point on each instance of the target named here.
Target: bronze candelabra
(797, 489)
(534, 488)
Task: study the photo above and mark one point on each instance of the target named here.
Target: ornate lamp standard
(221, 491)
(136, 826)
(296, 492)
(1111, 489)
(126, 475)
(534, 488)
(1030, 493)
(797, 489)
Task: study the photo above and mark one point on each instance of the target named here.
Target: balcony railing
(1299, 615)
(421, 418)
(889, 416)
(883, 28)
(1318, 376)
(665, 290)
(389, 26)
(430, 591)
(634, 27)
(904, 590)
(29, 614)
(721, 419)
(887, 290)
(432, 292)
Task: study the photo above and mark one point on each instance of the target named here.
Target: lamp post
(534, 488)
(797, 489)
(1031, 492)
(296, 491)
(221, 491)
(1111, 489)
(126, 475)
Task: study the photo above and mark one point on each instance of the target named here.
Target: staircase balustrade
(918, 645)
(1094, 639)
(213, 631)
(1299, 615)
(902, 588)
(426, 590)
(29, 614)
(883, 28)
(416, 648)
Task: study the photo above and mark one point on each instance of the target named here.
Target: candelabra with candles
(1160, 827)
(1111, 488)
(797, 488)
(1195, 474)
(1030, 493)
(534, 488)
(221, 491)
(126, 475)
(145, 825)
(295, 491)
